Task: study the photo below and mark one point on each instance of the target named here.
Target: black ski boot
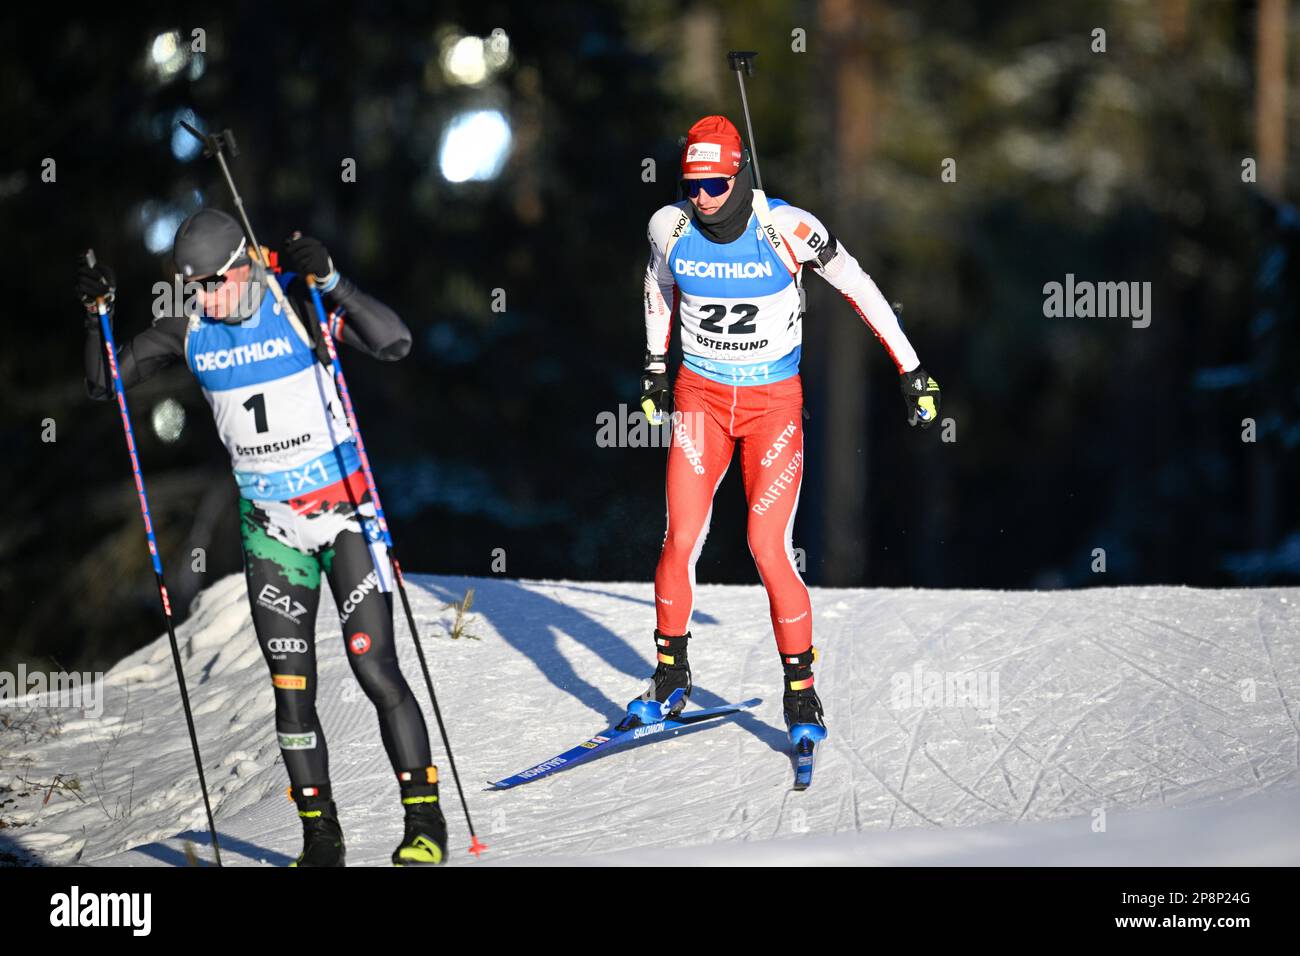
(672, 675)
(425, 842)
(322, 837)
(803, 708)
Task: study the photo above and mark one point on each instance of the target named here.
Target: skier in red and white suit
(727, 258)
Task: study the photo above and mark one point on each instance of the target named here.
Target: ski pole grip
(742, 59)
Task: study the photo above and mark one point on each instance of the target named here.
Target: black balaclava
(246, 305)
(730, 220)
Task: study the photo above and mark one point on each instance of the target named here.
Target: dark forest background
(1071, 433)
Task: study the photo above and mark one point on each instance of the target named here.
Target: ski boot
(803, 708)
(322, 837)
(668, 689)
(803, 714)
(425, 842)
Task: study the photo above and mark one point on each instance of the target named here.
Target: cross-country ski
(621, 733)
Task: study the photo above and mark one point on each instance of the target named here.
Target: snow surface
(1117, 726)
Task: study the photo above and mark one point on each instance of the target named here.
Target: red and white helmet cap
(713, 148)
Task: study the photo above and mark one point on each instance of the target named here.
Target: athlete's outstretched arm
(146, 354)
(813, 243)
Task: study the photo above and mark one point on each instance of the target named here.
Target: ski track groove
(1102, 701)
(1020, 651)
(1194, 735)
(998, 759)
(913, 737)
(1277, 680)
(750, 769)
(1080, 783)
(961, 797)
(1106, 753)
(883, 666)
(852, 724)
(898, 797)
(928, 643)
(1050, 611)
(961, 786)
(1155, 677)
(1185, 633)
(1012, 741)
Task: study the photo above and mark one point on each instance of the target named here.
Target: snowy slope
(1168, 716)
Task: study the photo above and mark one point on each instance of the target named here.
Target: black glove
(921, 393)
(656, 398)
(93, 282)
(307, 256)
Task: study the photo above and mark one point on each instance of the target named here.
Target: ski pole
(215, 145)
(106, 328)
(742, 61)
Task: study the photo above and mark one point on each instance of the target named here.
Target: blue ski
(613, 737)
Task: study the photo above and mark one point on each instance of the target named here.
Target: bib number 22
(744, 325)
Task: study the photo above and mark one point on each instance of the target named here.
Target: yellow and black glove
(656, 397)
(921, 393)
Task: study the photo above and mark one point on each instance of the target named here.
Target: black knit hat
(208, 243)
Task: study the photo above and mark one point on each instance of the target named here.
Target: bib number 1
(257, 405)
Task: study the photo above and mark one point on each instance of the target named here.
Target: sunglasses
(715, 186)
(212, 284)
